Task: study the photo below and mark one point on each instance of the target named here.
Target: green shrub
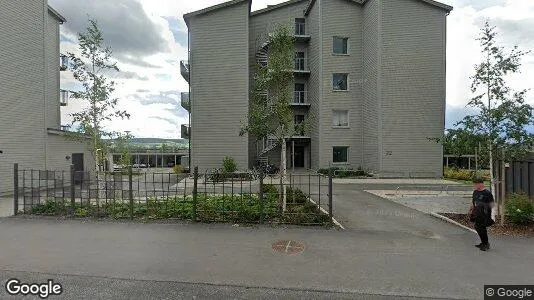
(462, 174)
(520, 209)
(229, 165)
(178, 169)
(50, 207)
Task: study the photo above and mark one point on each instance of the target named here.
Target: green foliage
(240, 208)
(503, 114)
(178, 169)
(222, 176)
(338, 172)
(520, 209)
(229, 165)
(90, 71)
(466, 175)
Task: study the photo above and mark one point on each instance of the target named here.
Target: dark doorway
(77, 161)
(299, 157)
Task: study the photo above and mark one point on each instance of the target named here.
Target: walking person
(480, 212)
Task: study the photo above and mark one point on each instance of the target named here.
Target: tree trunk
(283, 170)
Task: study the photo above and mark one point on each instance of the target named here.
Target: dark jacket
(482, 201)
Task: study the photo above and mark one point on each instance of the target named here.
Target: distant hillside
(156, 143)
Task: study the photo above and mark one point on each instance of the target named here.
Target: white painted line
(325, 212)
(451, 221)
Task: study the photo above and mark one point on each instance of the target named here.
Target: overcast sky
(149, 38)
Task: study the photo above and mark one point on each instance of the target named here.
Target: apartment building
(369, 76)
(30, 119)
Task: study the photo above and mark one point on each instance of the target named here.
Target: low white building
(30, 99)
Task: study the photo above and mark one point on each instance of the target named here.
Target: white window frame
(348, 82)
(348, 118)
(348, 45)
(348, 155)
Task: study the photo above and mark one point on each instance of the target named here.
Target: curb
(438, 216)
(325, 212)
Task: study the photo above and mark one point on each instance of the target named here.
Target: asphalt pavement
(388, 251)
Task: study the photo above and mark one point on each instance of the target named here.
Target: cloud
(126, 26)
(130, 75)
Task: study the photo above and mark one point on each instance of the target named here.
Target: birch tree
(271, 114)
(503, 115)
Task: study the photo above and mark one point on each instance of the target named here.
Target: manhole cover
(288, 247)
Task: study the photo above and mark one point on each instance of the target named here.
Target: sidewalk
(363, 262)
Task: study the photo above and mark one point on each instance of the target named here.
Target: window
(300, 26)
(299, 121)
(340, 118)
(340, 155)
(340, 82)
(341, 45)
(300, 61)
(300, 93)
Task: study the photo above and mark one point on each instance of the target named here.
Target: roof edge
(276, 6)
(58, 16)
(206, 10)
(446, 7)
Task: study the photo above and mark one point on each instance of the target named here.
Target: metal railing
(184, 69)
(300, 28)
(63, 97)
(300, 97)
(210, 196)
(185, 101)
(301, 64)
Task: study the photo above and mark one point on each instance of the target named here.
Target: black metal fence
(211, 196)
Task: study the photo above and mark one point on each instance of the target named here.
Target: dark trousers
(482, 233)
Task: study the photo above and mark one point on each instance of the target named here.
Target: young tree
(122, 146)
(90, 69)
(503, 113)
(271, 115)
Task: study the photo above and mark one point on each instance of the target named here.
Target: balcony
(300, 31)
(185, 131)
(63, 97)
(63, 62)
(300, 98)
(301, 66)
(184, 69)
(186, 102)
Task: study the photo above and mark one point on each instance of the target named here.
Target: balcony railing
(185, 131)
(300, 98)
(63, 62)
(300, 29)
(65, 127)
(301, 65)
(184, 69)
(186, 101)
(63, 97)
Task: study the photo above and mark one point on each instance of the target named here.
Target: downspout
(190, 98)
(45, 72)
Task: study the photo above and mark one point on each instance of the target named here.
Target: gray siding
(59, 148)
(412, 90)
(219, 86)
(53, 114)
(22, 85)
(370, 112)
(342, 18)
(313, 25)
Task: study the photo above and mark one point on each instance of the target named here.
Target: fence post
(15, 189)
(330, 213)
(130, 191)
(72, 188)
(503, 191)
(195, 192)
(261, 195)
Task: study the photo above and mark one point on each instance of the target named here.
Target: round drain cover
(288, 247)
